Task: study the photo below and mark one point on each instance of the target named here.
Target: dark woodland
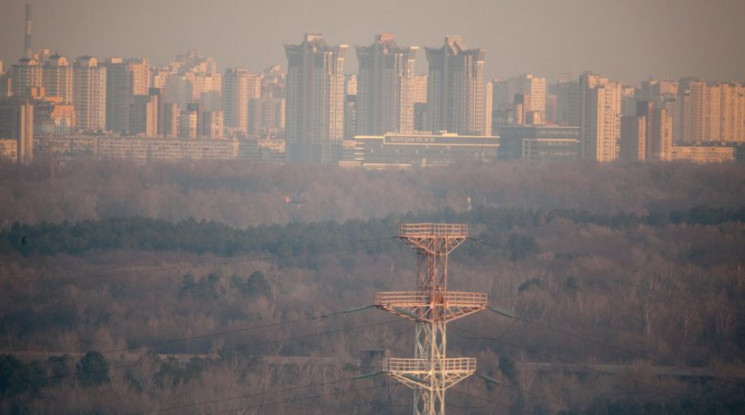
(243, 288)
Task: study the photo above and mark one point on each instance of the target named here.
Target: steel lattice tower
(430, 373)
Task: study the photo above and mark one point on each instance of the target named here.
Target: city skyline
(628, 41)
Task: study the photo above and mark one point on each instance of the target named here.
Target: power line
(241, 397)
(236, 259)
(294, 400)
(591, 340)
(235, 348)
(241, 330)
(591, 368)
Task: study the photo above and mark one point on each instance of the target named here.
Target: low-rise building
(704, 154)
(420, 149)
(539, 144)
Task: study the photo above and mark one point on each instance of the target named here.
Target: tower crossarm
(415, 305)
(418, 373)
(438, 239)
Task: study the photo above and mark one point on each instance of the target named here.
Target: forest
(245, 288)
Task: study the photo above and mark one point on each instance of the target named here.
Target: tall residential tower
(455, 88)
(89, 94)
(600, 117)
(315, 100)
(385, 92)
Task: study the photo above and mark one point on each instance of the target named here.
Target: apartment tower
(385, 90)
(315, 100)
(89, 94)
(455, 88)
(239, 87)
(600, 117)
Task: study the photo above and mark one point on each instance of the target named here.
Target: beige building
(653, 141)
(533, 92)
(144, 115)
(266, 116)
(567, 103)
(315, 100)
(703, 154)
(191, 79)
(89, 94)
(385, 90)
(600, 117)
(239, 88)
(633, 142)
(456, 93)
(125, 78)
(710, 112)
(8, 149)
(57, 79)
(53, 118)
(26, 76)
(17, 124)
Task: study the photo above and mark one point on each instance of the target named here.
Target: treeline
(242, 194)
(200, 237)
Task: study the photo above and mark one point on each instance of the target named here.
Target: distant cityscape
(384, 116)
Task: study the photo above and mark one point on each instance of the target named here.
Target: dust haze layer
(626, 40)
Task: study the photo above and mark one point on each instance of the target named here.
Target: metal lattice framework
(430, 373)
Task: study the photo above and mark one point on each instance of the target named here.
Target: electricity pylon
(430, 373)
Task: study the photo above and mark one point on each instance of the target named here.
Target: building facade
(456, 92)
(315, 100)
(532, 90)
(385, 90)
(57, 79)
(239, 88)
(125, 78)
(89, 94)
(600, 117)
(26, 76)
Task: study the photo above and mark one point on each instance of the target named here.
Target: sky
(626, 40)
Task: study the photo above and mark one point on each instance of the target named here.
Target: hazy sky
(628, 40)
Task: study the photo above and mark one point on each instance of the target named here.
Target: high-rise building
(212, 125)
(600, 113)
(567, 102)
(315, 100)
(191, 79)
(191, 122)
(57, 79)
(6, 85)
(89, 94)
(455, 88)
(171, 120)
(385, 92)
(657, 91)
(628, 100)
(711, 112)
(732, 112)
(144, 115)
(350, 106)
(17, 123)
(632, 145)
(266, 116)
(125, 78)
(533, 90)
(658, 131)
(420, 102)
(26, 76)
(488, 109)
(239, 87)
(273, 82)
(52, 118)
